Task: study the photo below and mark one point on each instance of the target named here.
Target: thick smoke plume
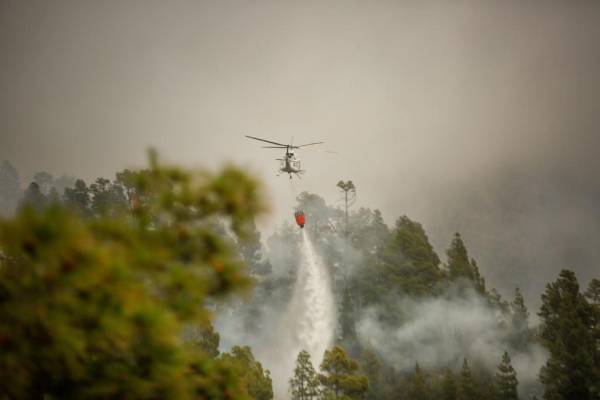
(440, 332)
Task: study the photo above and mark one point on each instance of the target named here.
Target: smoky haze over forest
(475, 117)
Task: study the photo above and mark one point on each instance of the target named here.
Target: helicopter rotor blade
(307, 144)
(266, 141)
(274, 147)
(323, 151)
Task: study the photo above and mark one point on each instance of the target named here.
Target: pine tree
(520, 321)
(78, 197)
(411, 263)
(466, 385)
(33, 197)
(45, 181)
(506, 380)
(108, 198)
(373, 368)
(53, 196)
(305, 383)
(255, 378)
(339, 376)
(593, 292)
(520, 315)
(461, 266)
(567, 331)
(449, 388)
(418, 389)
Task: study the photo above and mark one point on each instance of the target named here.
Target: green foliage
(449, 389)
(567, 331)
(304, 385)
(593, 292)
(255, 381)
(205, 338)
(466, 385)
(108, 198)
(339, 377)
(418, 388)
(96, 308)
(506, 380)
(522, 336)
(34, 198)
(45, 181)
(411, 264)
(78, 198)
(373, 368)
(461, 266)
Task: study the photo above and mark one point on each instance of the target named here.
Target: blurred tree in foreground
(96, 308)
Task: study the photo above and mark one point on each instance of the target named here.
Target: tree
(45, 181)
(466, 385)
(520, 315)
(10, 191)
(370, 236)
(368, 232)
(96, 308)
(339, 376)
(505, 380)
(593, 292)
(461, 266)
(108, 198)
(349, 196)
(521, 335)
(62, 182)
(33, 197)
(373, 368)
(204, 337)
(53, 196)
(305, 383)
(318, 214)
(567, 331)
(255, 380)
(78, 198)
(411, 263)
(418, 389)
(449, 388)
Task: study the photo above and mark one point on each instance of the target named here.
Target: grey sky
(481, 117)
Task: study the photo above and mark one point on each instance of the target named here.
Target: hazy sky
(481, 117)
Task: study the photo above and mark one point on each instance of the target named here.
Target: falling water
(307, 324)
(312, 312)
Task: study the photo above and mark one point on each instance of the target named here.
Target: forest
(157, 284)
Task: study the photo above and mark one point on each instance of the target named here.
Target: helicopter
(290, 164)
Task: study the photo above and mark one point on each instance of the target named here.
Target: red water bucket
(300, 218)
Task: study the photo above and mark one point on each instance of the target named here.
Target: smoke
(439, 332)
